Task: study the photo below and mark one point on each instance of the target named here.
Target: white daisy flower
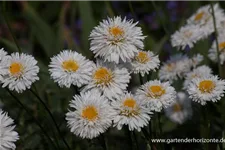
(186, 36)
(92, 115)
(3, 53)
(176, 67)
(199, 72)
(115, 39)
(157, 95)
(221, 28)
(204, 19)
(213, 50)
(196, 60)
(7, 134)
(70, 68)
(19, 71)
(109, 79)
(180, 110)
(167, 72)
(144, 62)
(130, 111)
(206, 89)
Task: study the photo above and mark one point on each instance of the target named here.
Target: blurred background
(43, 29)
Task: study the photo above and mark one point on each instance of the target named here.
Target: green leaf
(32, 142)
(60, 27)
(41, 30)
(10, 46)
(149, 42)
(87, 24)
(168, 126)
(202, 47)
(63, 33)
(158, 46)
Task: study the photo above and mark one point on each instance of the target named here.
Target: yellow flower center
(90, 113)
(177, 107)
(206, 86)
(116, 31)
(199, 16)
(129, 102)
(132, 110)
(103, 76)
(156, 91)
(70, 65)
(194, 76)
(16, 68)
(222, 46)
(142, 57)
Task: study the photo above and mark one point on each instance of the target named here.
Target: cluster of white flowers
(200, 83)
(199, 26)
(198, 72)
(104, 99)
(178, 66)
(111, 76)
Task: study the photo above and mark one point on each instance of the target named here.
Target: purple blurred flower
(129, 16)
(172, 4)
(78, 24)
(187, 49)
(151, 21)
(173, 16)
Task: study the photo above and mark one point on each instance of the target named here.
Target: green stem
(54, 134)
(8, 25)
(141, 79)
(103, 141)
(160, 125)
(217, 49)
(109, 8)
(205, 122)
(132, 10)
(136, 141)
(160, 128)
(130, 141)
(50, 114)
(29, 113)
(150, 132)
(150, 128)
(148, 137)
(90, 143)
(216, 38)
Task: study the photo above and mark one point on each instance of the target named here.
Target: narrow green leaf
(87, 24)
(109, 9)
(158, 47)
(60, 27)
(42, 31)
(9, 45)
